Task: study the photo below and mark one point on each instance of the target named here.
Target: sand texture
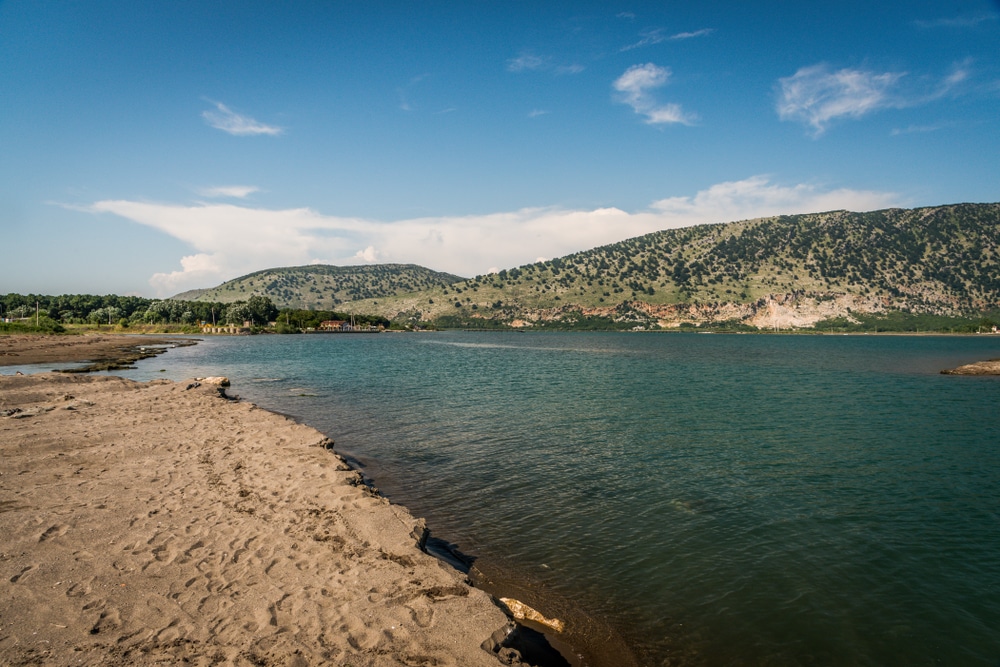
(160, 523)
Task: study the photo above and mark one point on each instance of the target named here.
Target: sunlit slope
(325, 287)
(779, 271)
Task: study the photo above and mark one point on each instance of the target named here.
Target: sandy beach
(162, 523)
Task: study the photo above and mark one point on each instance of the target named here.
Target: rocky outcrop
(991, 367)
(522, 612)
(777, 311)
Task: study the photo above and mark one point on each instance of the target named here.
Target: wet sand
(105, 351)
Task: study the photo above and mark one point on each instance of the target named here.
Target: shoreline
(29, 423)
(134, 540)
(588, 639)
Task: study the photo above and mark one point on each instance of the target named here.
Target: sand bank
(160, 523)
(104, 351)
(990, 367)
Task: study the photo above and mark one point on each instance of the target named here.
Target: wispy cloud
(704, 32)
(960, 73)
(815, 95)
(818, 96)
(229, 240)
(530, 62)
(651, 36)
(967, 21)
(526, 61)
(648, 37)
(234, 191)
(404, 91)
(919, 129)
(225, 119)
(635, 88)
(535, 113)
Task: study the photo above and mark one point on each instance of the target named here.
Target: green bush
(44, 325)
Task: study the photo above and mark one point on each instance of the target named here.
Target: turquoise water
(720, 499)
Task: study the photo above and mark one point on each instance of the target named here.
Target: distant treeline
(904, 322)
(114, 309)
(53, 312)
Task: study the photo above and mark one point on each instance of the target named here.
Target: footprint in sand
(23, 573)
(109, 620)
(53, 531)
(79, 590)
(95, 604)
(421, 613)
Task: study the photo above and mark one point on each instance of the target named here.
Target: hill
(780, 272)
(324, 287)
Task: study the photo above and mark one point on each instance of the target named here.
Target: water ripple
(725, 499)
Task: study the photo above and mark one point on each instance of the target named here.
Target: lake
(714, 499)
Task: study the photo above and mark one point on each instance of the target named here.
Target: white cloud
(634, 88)
(816, 96)
(369, 254)
(229, 240)
(758, 197)
(234, 191)
(227, 120)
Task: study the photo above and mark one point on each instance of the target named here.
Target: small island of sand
(990, 367)
(160, 523)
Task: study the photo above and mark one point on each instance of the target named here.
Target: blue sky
(149, 148)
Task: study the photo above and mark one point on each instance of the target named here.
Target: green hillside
(782, 272)
(325, 287)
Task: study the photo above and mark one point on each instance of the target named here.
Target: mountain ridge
(786, 271)
(779, 271)
(322, 286)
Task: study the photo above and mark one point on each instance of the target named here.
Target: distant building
(335, 325)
